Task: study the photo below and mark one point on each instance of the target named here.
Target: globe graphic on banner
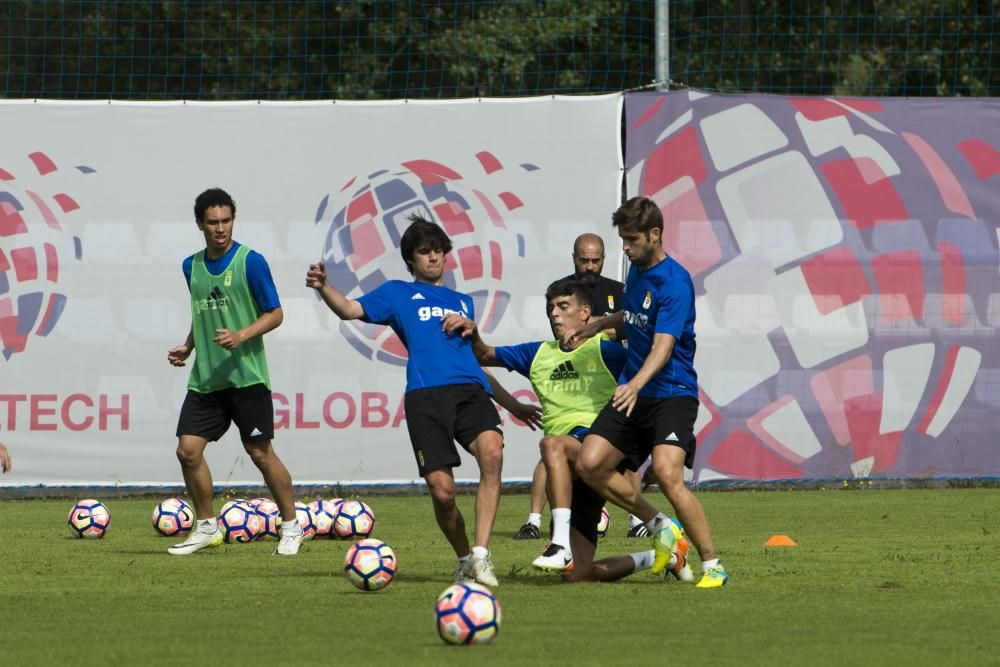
(365, 221)
(844, 254)
(35, 247)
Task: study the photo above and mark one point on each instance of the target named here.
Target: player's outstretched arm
(528, 413)
(268, 321)
(455, 324)
(626, 394)
(178, 355)
(4, 458)
(593, 327)
(346, 309)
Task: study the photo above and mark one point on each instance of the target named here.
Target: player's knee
(587, 469)
(550, 448)
(260, 454)
(490, 458)
(443, 497)
(189, 457)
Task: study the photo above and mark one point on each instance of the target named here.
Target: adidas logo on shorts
(565, 371)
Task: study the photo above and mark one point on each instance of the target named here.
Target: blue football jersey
(414, 310)
(661, 300)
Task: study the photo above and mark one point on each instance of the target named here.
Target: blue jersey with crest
(661, 300)
(414, 311)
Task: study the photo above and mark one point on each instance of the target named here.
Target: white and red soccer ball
(173, 517)
(270, 519)
(467, 613)
(240, 522)
(89, 519)
(370, 565)
(324, 512)
(355, 520)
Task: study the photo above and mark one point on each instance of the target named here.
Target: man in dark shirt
(588, 258)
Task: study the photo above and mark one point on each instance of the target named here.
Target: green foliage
(368, 49)
(879, 577)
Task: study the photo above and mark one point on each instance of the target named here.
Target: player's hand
(316, 275)
(228, 339)
(4, 458)
(530, 414)
(454, 323)
(178, 355)
(577, 334)
(624, 398)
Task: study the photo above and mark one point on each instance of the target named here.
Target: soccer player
(573, 383)
(4, 458)
(447, 394)
(653, 409)
(606, 297)
(233, 304)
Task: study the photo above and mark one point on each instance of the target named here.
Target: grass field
(880, 576)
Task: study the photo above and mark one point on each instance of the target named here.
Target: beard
(587, 278)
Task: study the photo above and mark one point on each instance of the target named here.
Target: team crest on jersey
(228, 280)
(611, 302)
(465, 308)
(647, 300)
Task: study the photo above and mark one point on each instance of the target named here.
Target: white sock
(560, 526)
(480, 552)
(207, 525)
(707, 565)
(642, 560)
(633, 521)
(535, 520)
(464, 560)
(657, 523)
(290, 527)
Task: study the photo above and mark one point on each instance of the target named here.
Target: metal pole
(662, 21)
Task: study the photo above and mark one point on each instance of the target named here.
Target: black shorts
(585, 510)
(209, 415)
(438, 417)
(654, 421)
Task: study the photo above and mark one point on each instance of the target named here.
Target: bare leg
(197, 476)
(488, 450)
(559, 453)
(668, 468)
(275, 476)
(441, 484)
(539, 484)
(586, 569)
(597, 466)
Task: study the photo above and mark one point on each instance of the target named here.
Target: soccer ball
(603, 523)
(370, 565)
(173, 517)
(258, 501)
(240, 522)
(90, 519)
(234, 501)
(467, 613)
(306, 519)
(270, 519)
(324, 513)
(355, 520)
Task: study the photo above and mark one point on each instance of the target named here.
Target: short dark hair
(574, 288)
(640, 213)
(212, 197)
(422, 232)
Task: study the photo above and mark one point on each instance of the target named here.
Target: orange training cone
(780, 541)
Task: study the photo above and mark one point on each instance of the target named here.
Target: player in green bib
(573, 383)
(233, 304)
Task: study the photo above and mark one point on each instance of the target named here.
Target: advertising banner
(845, 260)
(96, 218)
